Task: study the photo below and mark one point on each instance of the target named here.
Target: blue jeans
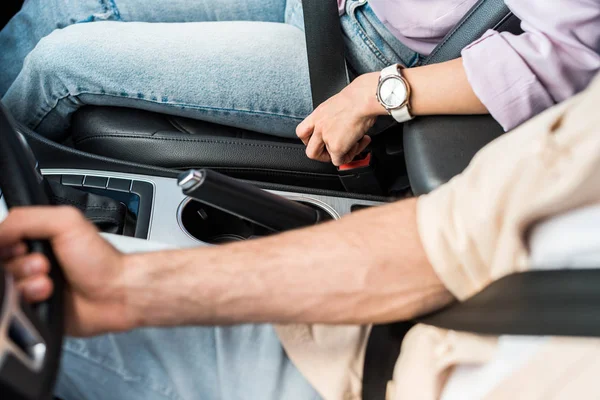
(235, 62)
(212, 363)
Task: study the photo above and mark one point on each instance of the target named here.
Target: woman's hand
(336, 131)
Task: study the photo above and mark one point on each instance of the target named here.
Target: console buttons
(122, 185)
(72, 180)
(95, 182)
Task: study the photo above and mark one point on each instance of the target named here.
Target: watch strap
(391, 70)
(401, 114)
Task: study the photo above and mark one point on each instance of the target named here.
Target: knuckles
(68, 214)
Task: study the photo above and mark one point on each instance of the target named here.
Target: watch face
(392, 92)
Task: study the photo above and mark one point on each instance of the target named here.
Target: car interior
(191, 183)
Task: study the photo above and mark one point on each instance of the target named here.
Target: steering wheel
(30, 336)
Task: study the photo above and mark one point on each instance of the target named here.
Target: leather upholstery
(165, 141)
(109, 215)
(173, 142)
(440, 147)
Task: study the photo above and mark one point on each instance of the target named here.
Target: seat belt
(534, 303)
(562, 302)
(328, 76)
(325, 49)
(383, 346)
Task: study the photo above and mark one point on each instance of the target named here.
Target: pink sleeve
(517, 77)
(341, 6)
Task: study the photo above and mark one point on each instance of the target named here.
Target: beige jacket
(473, 231)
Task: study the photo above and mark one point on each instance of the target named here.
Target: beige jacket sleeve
(474, 231)
(473, 228)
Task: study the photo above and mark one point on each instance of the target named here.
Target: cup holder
(211, 225)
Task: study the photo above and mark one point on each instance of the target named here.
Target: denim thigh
(38, 18)
(185, 363)
(370, 46)
(250, 75)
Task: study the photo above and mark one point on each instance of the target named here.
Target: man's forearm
(338, 273)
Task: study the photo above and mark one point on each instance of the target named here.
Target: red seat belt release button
(359, 175)
(363, 160)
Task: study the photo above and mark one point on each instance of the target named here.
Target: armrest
(440, 147)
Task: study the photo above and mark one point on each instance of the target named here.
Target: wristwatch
(393, 92)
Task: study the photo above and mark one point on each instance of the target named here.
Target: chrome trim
(294, 197)
(184, 203)
(315, 202)
(191, 179)
(165, 225)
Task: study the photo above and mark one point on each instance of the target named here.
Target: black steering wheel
(30, 336)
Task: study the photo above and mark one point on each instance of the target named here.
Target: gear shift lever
(246, 201)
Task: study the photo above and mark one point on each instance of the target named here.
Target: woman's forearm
(441, 89)
(438, 89)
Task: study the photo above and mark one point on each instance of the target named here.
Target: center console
(166, 215)
(194, 208)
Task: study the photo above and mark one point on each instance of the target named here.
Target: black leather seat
(437, 147)
(173, 142)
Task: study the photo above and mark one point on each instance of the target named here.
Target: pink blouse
(515, 76)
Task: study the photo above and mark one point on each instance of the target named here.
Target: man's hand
(95, 299)
(335, 131)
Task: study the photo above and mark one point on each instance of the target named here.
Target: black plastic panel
(439, 148)
(117, 188)
(99, 182)
(122, 185)
(72, 180)
(145, 191)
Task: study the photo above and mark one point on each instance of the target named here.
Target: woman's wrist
(368, 84)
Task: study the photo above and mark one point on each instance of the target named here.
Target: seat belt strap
(325, 49)
(484, 15)
(535, 303)
(562, 302)
(329, 75)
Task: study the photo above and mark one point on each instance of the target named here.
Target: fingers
(362, 145)
(31, 274)
(38, 223)
(13, 251)
(341, 156)
(305, 129)
(316, 150)
(36, 288)
(345, 158)
(28, 266)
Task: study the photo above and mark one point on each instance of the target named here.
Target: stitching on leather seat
(268, 171)
(188, 140)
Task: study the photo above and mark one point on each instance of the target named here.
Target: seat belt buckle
(359, 176)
